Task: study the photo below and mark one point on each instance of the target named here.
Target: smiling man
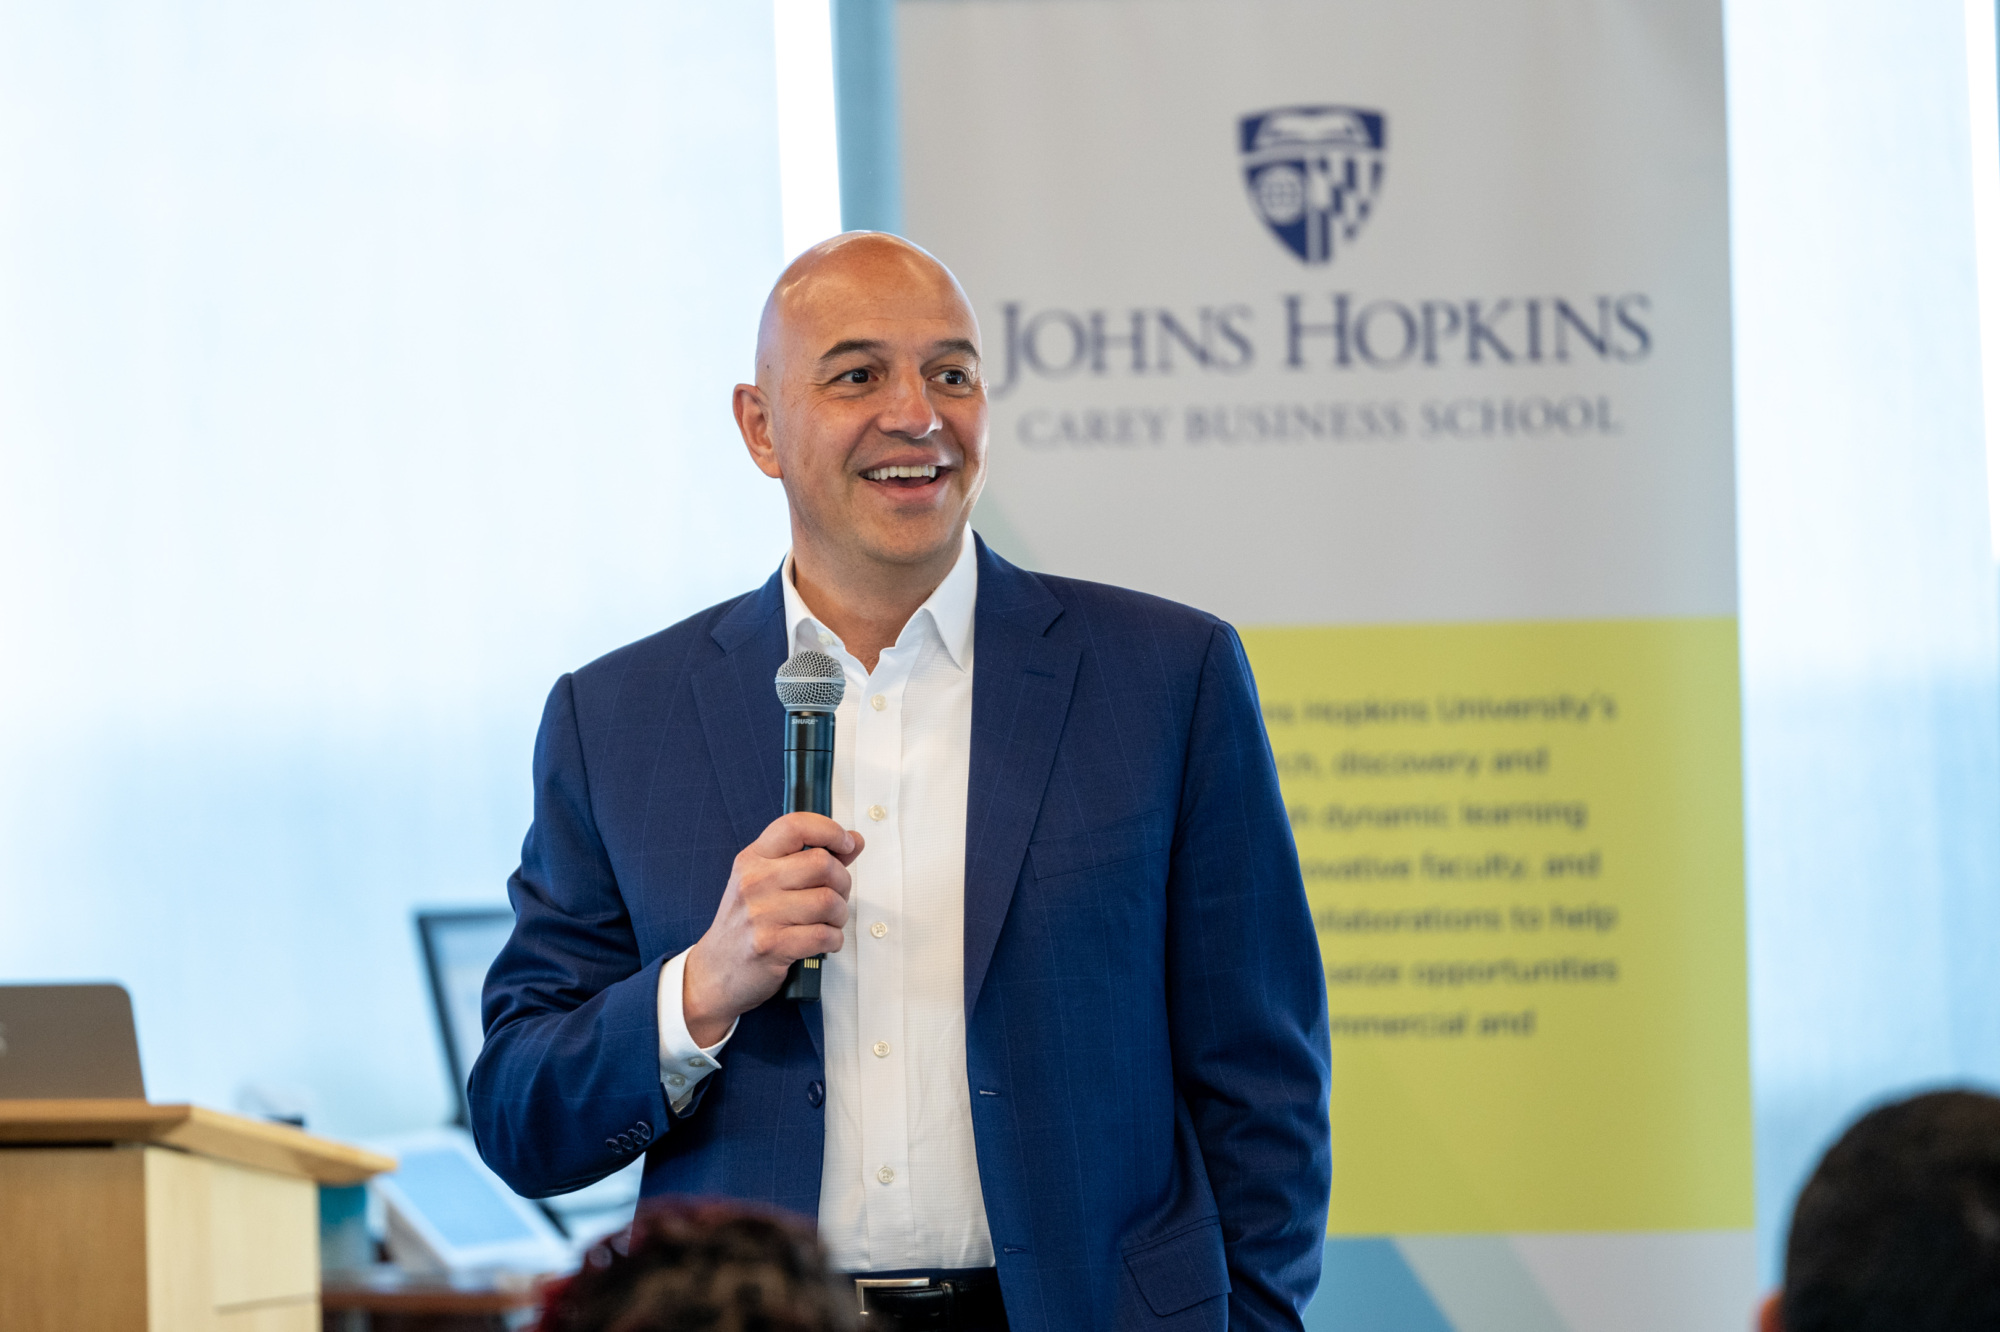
(1070, 1067)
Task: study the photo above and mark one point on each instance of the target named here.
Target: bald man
(1070, 1068)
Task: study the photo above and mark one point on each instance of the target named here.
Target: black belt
(960, 1300)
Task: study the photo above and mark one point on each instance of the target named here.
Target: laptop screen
(458, 1200)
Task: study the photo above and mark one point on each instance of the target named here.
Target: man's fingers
(811, 906)
(786, 944)
(813, 867)
(812, 940)
(789, 833)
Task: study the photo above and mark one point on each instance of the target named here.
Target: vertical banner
(1397, 333)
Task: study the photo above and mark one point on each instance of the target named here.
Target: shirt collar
(950, 606)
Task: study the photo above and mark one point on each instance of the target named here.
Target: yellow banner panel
(1523, 844)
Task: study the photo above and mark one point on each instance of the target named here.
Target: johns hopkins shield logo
(1313, 172)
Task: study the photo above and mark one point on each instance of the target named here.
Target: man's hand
(786, 899)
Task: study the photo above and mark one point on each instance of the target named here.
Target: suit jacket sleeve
(1247, 1002)
(566, 1089)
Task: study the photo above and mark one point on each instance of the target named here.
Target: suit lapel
(743, 724)
(1021, 687)
(741, 717)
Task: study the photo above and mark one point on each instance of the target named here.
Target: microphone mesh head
(810, 682)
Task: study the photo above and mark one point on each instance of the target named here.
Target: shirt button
(825, 638)
(878, 929)
(877, 813)
(676, 1080)
(881, 1049)
(697, 1062)
(886, 1175)
(878, 702)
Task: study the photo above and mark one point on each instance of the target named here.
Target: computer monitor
(459, 948)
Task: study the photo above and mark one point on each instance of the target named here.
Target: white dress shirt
(900, 1185)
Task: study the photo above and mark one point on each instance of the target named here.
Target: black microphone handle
(808, 789)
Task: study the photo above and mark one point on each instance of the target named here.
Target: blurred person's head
(703, 1267)
(1899, 1228)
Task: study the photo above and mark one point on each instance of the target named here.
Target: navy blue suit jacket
(1146, 1033)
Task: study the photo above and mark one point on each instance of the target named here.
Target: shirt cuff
(683, 1064)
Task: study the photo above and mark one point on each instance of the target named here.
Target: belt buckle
(862, 1285)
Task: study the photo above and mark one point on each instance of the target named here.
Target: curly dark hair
(694, 1266)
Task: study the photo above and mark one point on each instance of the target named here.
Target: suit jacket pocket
(1181, 1270)
(1100, 848)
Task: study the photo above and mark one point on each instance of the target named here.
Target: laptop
(68, 1042)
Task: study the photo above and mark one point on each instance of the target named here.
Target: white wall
(362, 367)
(1872, 696)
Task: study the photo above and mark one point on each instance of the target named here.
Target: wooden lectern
(118, 1214)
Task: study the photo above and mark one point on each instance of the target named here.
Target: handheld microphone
(810, 685)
